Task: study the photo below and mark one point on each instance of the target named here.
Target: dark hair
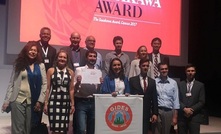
(45, 28)
(117, 38)
(23, 60)
(56, 57)
(162, 63)
(155, 39)
(90, 51)
(190, 65)
(143, 60)
(111, 73)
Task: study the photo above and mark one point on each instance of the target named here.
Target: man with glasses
(90, 45)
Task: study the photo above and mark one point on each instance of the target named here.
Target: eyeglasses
(91, 41)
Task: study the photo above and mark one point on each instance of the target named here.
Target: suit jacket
(70, 59)
(196, 101)
(150, 102)
(51, 56)
(163, 58)
(108, 85)
(15, 85)
(150, 96)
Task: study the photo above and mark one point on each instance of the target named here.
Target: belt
(164, 108)
(91, 99)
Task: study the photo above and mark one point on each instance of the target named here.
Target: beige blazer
(15, 85)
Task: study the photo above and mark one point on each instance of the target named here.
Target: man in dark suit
(155, 56)
(144, 85)
(192, 100)
(76, 54)
(47, 51)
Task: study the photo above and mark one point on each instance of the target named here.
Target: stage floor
(214, 126)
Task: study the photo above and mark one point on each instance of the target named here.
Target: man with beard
(84, 99)
(118, 43)
(76, 53)
(47, 51)
(145, 85)
(90, 45)
(77, 57)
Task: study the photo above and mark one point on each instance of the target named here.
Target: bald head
(75, 38)
(90, 42)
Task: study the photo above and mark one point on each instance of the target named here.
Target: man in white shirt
(84, 100)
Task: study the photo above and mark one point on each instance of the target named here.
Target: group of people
(44, 80)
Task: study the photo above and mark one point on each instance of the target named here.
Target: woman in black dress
(59, 101)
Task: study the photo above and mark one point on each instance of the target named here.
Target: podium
(118, 115)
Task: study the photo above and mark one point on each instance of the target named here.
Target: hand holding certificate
(91, 76)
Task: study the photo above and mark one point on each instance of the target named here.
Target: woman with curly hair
(26, 91)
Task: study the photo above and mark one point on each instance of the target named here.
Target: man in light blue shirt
(168, 101)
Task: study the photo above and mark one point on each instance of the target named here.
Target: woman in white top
(116, 83)
(134, 67)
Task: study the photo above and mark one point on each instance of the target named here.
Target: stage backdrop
(137, 21)
(118, 115)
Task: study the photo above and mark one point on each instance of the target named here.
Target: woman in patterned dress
(59, 101)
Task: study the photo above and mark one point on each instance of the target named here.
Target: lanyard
(44, 51)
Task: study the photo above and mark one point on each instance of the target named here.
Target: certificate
(91, 76)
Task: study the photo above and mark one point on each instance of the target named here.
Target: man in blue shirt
(168, 101)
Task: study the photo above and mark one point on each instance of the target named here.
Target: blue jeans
(84, 116)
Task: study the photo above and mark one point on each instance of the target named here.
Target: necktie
(155, 66)
(145, 84)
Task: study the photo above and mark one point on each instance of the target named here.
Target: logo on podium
(118, 116)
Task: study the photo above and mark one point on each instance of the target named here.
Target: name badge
(188, 94)
(46, 60)
(76, 64)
